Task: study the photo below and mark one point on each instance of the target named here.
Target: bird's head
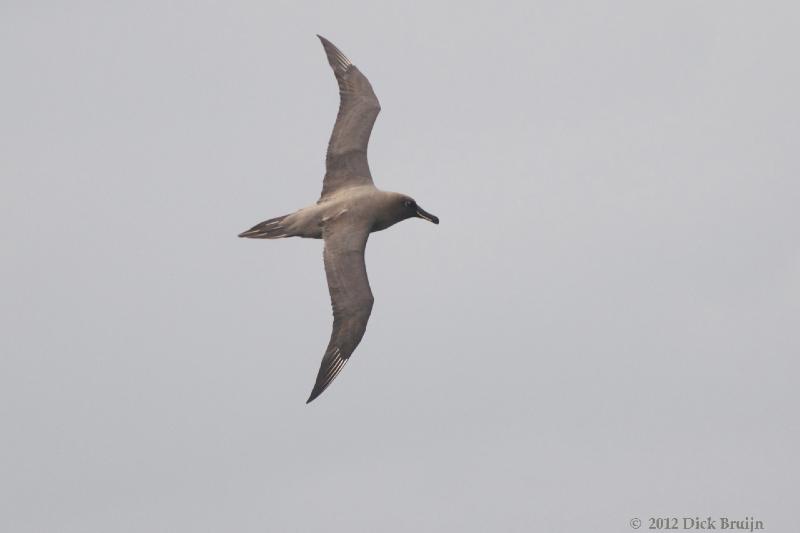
(409, 208)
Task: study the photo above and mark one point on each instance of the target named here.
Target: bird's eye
(409, 203)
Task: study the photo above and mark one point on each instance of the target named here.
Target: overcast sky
(603, 327)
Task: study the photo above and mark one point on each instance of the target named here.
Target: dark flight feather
(351, 296)
(346, 162)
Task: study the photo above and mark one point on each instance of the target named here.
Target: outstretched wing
(346, 162)
(351, 297)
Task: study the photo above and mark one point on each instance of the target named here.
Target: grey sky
(604, 326)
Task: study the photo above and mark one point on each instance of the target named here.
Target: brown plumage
(348, 210)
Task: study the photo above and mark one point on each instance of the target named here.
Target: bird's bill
(421, 213)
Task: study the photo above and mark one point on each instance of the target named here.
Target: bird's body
(349, 209)
(365, 204)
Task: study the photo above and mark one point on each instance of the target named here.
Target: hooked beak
(421, 213)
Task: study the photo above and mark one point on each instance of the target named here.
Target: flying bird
(348, 210)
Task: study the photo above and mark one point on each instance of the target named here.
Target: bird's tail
(269, 229)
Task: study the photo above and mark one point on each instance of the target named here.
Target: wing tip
(327, 374)
(314, 395)
(336, 58)
(317, 391)
(319, 386)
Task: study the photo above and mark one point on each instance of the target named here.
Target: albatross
(348, 210)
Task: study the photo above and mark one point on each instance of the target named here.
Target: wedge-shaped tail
(269, 229)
